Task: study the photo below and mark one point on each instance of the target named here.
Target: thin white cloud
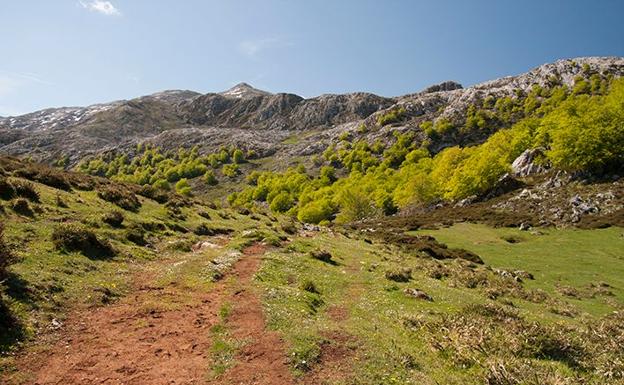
(7, 85)
(12, 82)
(252, 48)
(104, 7)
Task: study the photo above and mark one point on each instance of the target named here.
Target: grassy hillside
(402, 317)
(368, 297)
(75, 246)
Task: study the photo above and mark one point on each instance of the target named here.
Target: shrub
(45, 175)
(6, 256)
(26, 190)
(323, 256)
(114, 218)
(399, 275)
(136, 235)
(309, 286)
(210, 178)
(203, 229)
(7, 191)
(316, 212)
(22, 207)
(73, 237)
(183, 188)
(393, 116)
(154, 193)
(238, 156)
(60, 202)
(230, 170)
(120, 196)
(7, 319)
(282, 202)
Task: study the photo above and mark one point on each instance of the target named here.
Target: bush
(45, 175)
(210, 178)
(120, 196)
(309, 286)
(114, 218)
(6, 256)
(203, 229)
(393, 116)
(7, 319)
(323, 256)
(182, 187)
(316, 212)
(73, 237)
(136, 235)
(238, 156)
(399, 275)
(7, 191)
(26, 190)
(154, 193)
(230, 170)
(22, 207)
(281, 203)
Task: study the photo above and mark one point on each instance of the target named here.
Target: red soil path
(134, 343)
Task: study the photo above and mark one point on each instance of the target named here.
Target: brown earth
(160, 335)
(262, 359)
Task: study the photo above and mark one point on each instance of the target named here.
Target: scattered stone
(203, 245)
(516, 275)
(524, 226)
(309, 227)
(576, 200)
(525, 164)
(418, 294)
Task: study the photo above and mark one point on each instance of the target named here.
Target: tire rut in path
(262, 359)
(135, 343)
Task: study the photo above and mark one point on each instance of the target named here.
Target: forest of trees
(579, 129)
(164, 169)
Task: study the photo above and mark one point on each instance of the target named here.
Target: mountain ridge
(75, 132)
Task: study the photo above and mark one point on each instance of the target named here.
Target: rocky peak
(244, 90)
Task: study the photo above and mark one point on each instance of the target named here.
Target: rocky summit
(261, 121)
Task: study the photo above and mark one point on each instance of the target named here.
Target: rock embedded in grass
(418, 294)
(322, 255)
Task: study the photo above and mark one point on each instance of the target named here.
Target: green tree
(282, 202)
(210, 178)
(182, 187)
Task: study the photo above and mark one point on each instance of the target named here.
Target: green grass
(45, 282)
(385, 327)
(556, 257)
(224, 348)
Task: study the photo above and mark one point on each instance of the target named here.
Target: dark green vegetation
(579, 131)
(159, 169)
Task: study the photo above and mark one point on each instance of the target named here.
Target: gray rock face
(76, 131)
(525, 164)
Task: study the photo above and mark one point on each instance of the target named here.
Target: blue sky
(70, 52)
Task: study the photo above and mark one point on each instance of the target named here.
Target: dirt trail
(262, 359)
(161, 336)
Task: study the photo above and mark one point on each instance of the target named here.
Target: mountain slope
(42, 134)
